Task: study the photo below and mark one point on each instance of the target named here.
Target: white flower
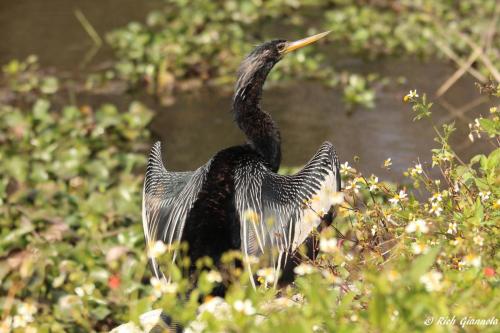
(303, 269)
(330, 277)
(417, 226)
(374, 229)
(436, 209)
(472, 260)
(345, 168)
(373, 184)
(68, 302)
(401, 196)
(387, 163)
(161, 286)
(353, 186)
(432, 281)
(436, 197)
(244, 307)
(419, 247)
(79, 291)
(157, 249)
(214, 277)
(19, 321)
(417, 170)
(86, 289)
(412, 94)
(478, 240)
(268, 274)
(393, 275)
(27, 310)
(452, 228)
(328, 245)
(457, 241)
(216, 306)
(484, 196)
(321, 203)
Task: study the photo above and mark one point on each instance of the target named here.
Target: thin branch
(464, 68)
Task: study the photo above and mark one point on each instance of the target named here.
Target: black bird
(237, 200)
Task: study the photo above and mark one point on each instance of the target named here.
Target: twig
(453, 56)
(460, 112)
(89, 29)
(458, 73)
(485, 60)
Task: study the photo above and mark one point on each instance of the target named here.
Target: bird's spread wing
(167, 199)
(277, 213)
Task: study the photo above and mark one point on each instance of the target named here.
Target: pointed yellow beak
(292, 46)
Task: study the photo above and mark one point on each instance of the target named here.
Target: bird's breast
(213, 226)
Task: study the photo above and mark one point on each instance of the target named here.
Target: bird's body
(212, 225)
(237, 201)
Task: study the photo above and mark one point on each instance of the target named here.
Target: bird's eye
(281, 47)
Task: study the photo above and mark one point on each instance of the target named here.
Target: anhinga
(237, 200)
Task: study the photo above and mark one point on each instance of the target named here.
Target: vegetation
(399, 257)
(181, 46)
(74, 257)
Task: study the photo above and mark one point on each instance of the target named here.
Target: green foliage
(204, 41)
(422, 108)
(71, 243)
(24, 77)
(74, 260)
(357, 92)
(69, 202)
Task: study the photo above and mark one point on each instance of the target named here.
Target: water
(50, 29)
(308, 113)
(199, 123)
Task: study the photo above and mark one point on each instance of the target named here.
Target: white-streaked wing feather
(277, 213)
(167, 200)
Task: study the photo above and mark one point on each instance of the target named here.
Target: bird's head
(274, 50)
(266, 55)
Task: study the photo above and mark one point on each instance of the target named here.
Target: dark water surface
(199, 124)
(308, 113)
(49, 28)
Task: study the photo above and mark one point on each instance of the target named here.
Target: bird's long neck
(258, 126)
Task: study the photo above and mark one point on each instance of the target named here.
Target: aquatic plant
(399, 257)
(188, 43)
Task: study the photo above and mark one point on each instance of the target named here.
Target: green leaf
(49, 85)
(490, 126)
(493, 160)
(101, 312)
(423, 263)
